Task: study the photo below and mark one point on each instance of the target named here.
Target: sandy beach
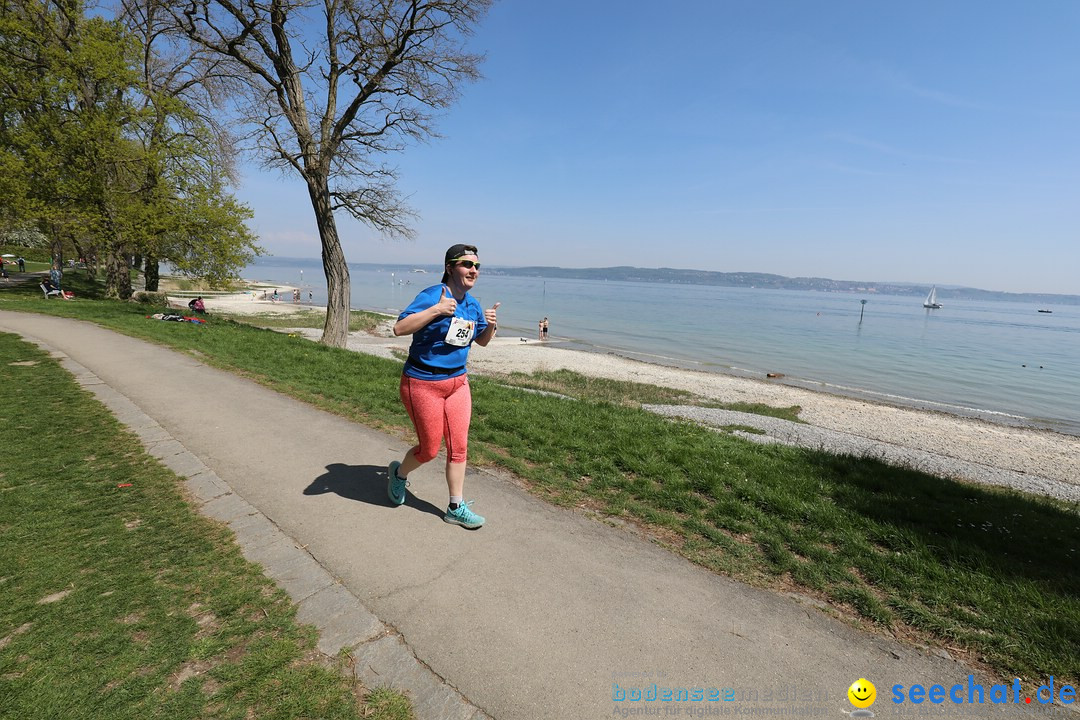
(976, 443)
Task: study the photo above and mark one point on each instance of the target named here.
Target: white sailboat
(931, 299)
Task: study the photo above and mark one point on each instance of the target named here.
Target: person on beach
(444, 320)
(544, 329)
(197, 306)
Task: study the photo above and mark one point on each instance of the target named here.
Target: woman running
(444, 321)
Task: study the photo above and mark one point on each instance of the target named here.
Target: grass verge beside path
(120, 601)
(632, 394)
(359, 320)
(989, 574)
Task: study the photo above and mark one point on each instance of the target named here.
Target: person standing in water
(444, 321)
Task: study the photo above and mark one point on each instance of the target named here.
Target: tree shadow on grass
(990, 556)
(363, 483)
(1021, 536)
(27, 285)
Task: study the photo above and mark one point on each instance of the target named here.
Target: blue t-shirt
(437, 359)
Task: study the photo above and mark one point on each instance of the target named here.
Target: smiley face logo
(862, 693)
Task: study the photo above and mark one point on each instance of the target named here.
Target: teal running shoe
(395, 486)
(463, 516)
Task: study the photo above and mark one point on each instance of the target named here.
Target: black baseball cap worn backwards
(456, 251)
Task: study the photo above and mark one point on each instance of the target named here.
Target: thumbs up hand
(489, 314)
(447, 304)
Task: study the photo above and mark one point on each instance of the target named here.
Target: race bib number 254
(460, 332)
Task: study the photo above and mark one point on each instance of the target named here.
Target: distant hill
(766, 280)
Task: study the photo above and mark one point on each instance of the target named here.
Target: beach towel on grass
(176, 318)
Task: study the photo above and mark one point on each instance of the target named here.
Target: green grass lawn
(359, 320)
(990, 574)
(31, 266)
(119, 601)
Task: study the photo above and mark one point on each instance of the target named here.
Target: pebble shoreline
(778, 430)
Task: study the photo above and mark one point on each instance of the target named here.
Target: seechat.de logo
(974, 693)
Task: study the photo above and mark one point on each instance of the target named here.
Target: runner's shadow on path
(363, 483)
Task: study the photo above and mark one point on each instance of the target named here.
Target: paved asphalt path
(542, 613)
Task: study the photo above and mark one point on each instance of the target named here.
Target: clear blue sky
(934, 142)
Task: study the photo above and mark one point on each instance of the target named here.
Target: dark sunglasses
(468, 264)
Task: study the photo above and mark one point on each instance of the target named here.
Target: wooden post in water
(862, 310)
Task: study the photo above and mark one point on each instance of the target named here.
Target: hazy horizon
(915, 283)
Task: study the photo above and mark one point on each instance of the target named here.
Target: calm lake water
(1000, 360)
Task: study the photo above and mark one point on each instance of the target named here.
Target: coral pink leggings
(439, 409)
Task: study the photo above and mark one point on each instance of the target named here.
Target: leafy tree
(67, 107)
(30, 115)
(98, 155)
(332, 87)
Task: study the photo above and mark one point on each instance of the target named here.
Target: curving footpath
(543, 613)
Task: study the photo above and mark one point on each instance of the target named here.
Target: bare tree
(333, 87)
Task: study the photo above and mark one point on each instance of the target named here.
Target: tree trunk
(152, 273)
(90, 267)
(117, 273)
(57, 249)
(338, 288)
(117, 261)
